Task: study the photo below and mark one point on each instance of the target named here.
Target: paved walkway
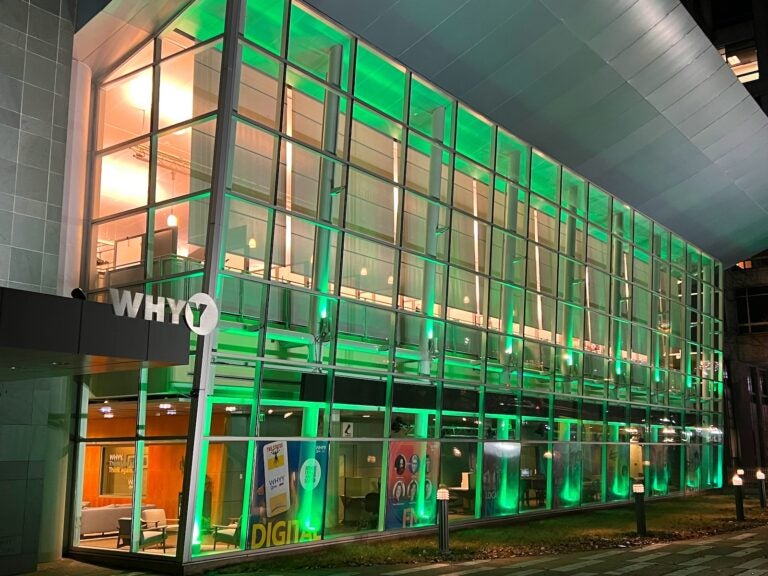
(732, 554)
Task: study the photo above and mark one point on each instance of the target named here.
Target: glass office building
(411, 298)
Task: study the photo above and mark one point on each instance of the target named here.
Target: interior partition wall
(411, 298)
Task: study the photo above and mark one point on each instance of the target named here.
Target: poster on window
(412, 483)
(288, 489)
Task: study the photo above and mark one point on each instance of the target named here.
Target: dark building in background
(746, 358)
(739, 29)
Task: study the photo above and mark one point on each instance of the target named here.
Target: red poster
(412, 483)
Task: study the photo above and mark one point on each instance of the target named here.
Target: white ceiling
(630, 93)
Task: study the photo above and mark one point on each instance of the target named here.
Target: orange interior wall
(164, 474)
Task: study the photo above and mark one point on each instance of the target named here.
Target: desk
(533, 489)
(461, 501)
(591, 490)
(354, 509)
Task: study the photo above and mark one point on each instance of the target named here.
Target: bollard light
(443, 495)
(760, 475)
(738, 482)
(638, 489)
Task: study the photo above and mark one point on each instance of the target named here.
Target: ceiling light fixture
(172, 221)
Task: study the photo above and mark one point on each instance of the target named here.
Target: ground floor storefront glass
(323, 470)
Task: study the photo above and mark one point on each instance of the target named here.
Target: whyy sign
(123, 302)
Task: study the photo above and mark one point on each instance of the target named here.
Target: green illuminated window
(599, 207)
(264, 23)
(510, 211)
(474, 136)
(252, 159)
(545, 177)
(512, 157)
(258, 90)
(310, 110)
(574, 193)
(201, 21)
(417, 172)
(379, 81)
(318, 47)
(431, 111)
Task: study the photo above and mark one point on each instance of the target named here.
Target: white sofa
(103, 520)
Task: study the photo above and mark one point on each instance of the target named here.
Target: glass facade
(411, 298)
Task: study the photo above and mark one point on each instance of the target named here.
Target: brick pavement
(731, 554)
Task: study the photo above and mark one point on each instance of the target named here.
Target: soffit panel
(122, 26)
(629, 93)
(652, 44)
(627, 28)
(686, 82)
(730, 141)
(457, 33)
(671, 62)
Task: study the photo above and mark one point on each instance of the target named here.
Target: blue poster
(288, 493)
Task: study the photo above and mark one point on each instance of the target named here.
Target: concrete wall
(24, 444)
(35, 63)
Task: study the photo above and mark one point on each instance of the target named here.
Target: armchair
(154, 518)
(230, 535)
(146, 537)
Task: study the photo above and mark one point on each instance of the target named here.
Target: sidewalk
(730, 554)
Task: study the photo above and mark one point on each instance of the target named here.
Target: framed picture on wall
(117, 466)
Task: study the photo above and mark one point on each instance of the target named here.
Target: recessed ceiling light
(734, 60)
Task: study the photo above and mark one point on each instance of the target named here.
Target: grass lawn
(667, 520)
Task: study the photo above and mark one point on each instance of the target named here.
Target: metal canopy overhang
(43, 336)
(629, 93)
